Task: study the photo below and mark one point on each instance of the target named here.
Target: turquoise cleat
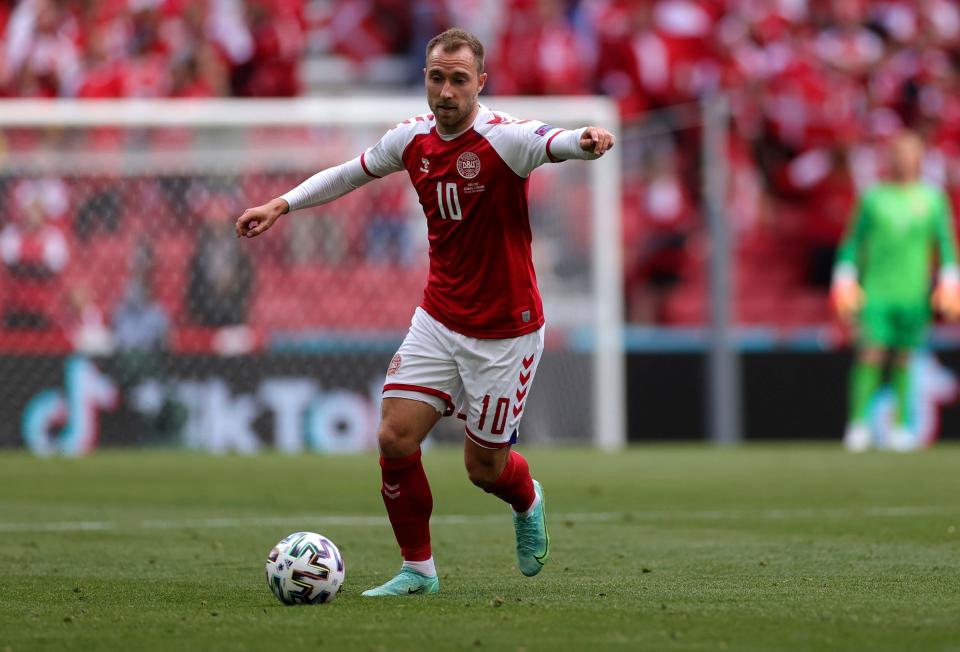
(533, 540)
(406, 582)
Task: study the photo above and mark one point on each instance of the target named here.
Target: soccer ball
(305, 568)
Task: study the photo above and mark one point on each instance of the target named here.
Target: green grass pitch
(791, 547)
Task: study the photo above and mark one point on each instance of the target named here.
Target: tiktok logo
(66, 421)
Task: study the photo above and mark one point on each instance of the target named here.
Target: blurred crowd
(150, 48)
(147, 264)
(815, 88)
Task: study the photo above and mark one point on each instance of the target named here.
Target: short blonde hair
(455, 38)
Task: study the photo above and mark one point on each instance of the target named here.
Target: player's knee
(395, 441)
(482, 473)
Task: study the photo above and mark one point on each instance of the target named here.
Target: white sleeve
(528, 144)
(386, 157)
(565, 145)
(327, 185)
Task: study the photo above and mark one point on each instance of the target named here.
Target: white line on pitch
(347, 520)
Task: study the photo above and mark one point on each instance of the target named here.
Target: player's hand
(258, 219)
(847, 298)
(946, 299)
(596, 140)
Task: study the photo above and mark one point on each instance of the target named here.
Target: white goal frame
(609, 378)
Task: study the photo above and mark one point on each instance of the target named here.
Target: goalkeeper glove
(946, 298)
(847, 297)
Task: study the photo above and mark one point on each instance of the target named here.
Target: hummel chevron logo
(391, 491)
(524, 378)
(527, 362)
(517, 409)
(521, 395)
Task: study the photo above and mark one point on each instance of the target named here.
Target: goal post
(272, 142)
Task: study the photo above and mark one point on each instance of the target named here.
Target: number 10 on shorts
(499, 423)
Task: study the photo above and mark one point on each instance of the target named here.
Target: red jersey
(473, 189)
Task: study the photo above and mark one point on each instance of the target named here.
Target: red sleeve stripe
(363, 164)
(482, 443)
(423, 390)
(553, 159)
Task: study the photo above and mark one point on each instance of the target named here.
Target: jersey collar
(482, 113)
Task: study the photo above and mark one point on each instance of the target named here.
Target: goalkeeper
(882, 280)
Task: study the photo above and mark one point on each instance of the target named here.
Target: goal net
(130, 314)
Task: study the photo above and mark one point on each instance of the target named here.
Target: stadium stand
(815, 86)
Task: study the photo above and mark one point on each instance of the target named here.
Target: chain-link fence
(132, 314)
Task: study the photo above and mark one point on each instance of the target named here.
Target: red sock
(515, 486)
(406, 494)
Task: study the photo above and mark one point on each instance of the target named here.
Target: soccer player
(882, 278)
(475, 340)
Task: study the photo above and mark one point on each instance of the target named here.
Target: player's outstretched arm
(596, 140)
(258, 219)
(321, 188)
(527, 144)
(585, 143)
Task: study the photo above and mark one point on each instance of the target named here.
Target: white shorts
(484, 382)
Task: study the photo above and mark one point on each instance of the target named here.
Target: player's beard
(451, 119)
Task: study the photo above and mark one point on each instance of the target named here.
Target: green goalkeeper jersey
(891, 240)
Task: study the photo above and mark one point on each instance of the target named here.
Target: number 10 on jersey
(452, 201)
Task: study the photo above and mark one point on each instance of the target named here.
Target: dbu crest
(468, 165)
